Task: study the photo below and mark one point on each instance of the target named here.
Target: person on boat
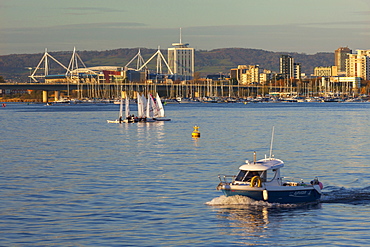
(317, 182)
(120, 120)
(130, 118)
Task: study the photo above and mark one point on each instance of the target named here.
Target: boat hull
(112, 121)
(162, 119)
(117, 121)
(296, 195)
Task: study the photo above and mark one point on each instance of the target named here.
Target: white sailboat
(150, 109)
(127, 108)
(143, 99)
(140, 107)
(159, 110)
(120, 114)
(128, 117)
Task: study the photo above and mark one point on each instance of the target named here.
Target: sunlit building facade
(181, 60)
(326, 71)
(358, 65)
(340, 56)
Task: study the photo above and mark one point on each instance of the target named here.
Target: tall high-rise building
(340, 56)
(297, 71)
(287, 66)
(358, 65)
(181, 59)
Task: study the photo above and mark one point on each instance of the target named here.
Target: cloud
(87, 27)
(340, 24)
(89, 10)
(308, 38)
(362, 13)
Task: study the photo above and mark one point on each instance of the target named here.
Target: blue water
(68, 178)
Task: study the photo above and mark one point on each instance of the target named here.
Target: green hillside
(16, 67)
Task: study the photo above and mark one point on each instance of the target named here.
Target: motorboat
(260, 180)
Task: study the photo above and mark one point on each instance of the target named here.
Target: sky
(303, 26)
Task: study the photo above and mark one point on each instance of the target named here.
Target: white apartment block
(251, 75)
(181, 59)
(266, 76)
(358, 65)
(326, 71)
(297, 71)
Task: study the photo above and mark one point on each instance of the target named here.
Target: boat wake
(346, 195)
(331, 195)
(232, 200)
(237, 201)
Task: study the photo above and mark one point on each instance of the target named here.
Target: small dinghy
(129, 118)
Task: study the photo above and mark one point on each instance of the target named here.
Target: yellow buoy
(195, 133)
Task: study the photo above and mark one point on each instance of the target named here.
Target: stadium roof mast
(140, 61)
(73, 63)
(160, 58)
(46, 66)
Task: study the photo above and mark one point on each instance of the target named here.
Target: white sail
(159, 106)
(121, 109)
(154, 105)
(140, 106)
(149, 107)
(127, 108)
(155, 110)
(143, 99)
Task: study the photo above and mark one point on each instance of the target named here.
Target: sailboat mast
(272, 140)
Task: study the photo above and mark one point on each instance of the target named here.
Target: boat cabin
(268, 170)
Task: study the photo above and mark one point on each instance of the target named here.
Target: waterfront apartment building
(326, 71)
(297, 71)
(246, 74)
(252, 75)
(358, 65)
(266, 76)
(236, 73)
(287, 66)
(181, 60)
(340, 56)
(350, 82)
(289, 69)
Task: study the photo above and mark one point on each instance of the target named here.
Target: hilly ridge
(16, 67)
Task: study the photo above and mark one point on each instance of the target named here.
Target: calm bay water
(68, 178)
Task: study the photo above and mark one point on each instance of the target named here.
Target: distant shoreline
(21, 100)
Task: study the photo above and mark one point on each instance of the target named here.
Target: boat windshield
(240, 175)
(246, 176)
(271, 175)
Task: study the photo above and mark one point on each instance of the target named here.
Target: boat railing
(225, 178)
(290, 181)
